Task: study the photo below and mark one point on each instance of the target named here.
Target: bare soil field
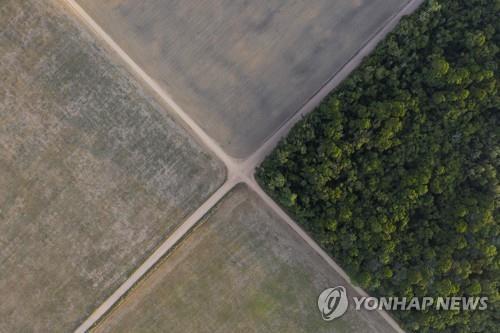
(241, 68)
(241, 270)
(93, 174)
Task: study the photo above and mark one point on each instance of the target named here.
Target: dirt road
(237, 170)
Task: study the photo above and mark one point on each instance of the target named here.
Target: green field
(241, 68)
(241, 270)
(93, 174)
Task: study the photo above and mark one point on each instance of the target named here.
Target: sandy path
(237, 170)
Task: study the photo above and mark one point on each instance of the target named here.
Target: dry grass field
(241, 270)
(93, 174)
(241, 68)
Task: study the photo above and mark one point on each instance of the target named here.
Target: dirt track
(240, 69)
(238, 170)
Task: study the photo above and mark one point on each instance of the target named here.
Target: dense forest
(396, 172)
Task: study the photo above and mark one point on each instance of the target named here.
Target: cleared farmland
(241, 68)
(241, 270)
(93, 174)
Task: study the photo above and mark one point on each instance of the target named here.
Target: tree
(396, 173)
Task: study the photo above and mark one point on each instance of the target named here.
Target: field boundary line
(155, 257)
(237, 170)
(164, 258)
(318, 249)
(333, 82)
(196, 130)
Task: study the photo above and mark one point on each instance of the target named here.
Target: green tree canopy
(396, 173)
